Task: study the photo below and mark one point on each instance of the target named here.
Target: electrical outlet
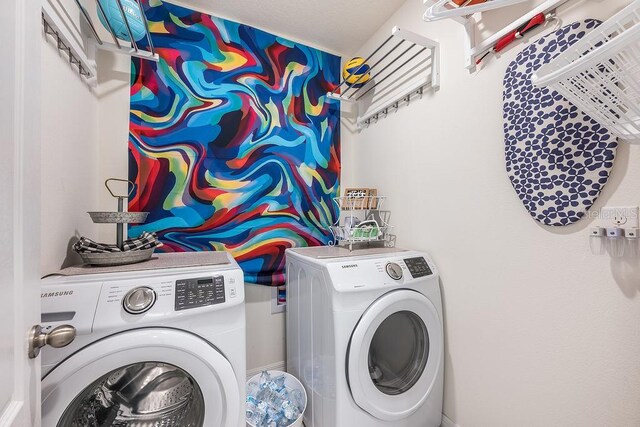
(620, 216)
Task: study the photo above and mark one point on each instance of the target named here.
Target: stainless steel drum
(147, 394)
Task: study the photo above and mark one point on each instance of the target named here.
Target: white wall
(113, 125)
(69, 159)
(538, 331)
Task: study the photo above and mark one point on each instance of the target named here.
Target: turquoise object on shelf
(114, 18)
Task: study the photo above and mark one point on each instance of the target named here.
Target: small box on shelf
(359, 198)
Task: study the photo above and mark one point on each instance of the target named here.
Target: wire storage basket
(600, 73)
(362, 222)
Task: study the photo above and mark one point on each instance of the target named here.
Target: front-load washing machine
(365, 336)
(162, 347)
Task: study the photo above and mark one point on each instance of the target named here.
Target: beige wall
(69, 159)
(266, 344)
(538, 331)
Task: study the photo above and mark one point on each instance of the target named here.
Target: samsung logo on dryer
(350, 266)
(56, 294)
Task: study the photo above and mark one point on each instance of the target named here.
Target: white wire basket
(362, 221)
(600, 73)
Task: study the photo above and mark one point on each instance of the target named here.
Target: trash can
(291, 387)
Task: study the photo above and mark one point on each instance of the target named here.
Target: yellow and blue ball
(356, 72)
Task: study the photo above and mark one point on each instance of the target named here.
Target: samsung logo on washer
(350, 266)
(56, 294)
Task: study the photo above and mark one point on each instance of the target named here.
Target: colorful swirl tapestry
(233, 144)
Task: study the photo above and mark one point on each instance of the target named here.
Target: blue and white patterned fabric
(558, 158)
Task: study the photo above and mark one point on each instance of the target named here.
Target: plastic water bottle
(252, 388)
(265, 377)
(297, 398)
(256, 413)
(270, 397)
(290, 410)
(279, 383)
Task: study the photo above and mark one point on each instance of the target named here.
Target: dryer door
(143, 377)
(395, 354)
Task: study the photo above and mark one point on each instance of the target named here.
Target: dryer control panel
(405, 269)
(418, 266)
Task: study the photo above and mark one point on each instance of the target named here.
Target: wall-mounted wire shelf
(443, 9)
(600, 73)
(402, 53)
(77, 58)
(362, 222)
(80, 47)
(473, 48)
(119, 45)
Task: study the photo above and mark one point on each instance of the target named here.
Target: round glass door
(113, 383)
(398, 353)
(395, 354)
(139, 394)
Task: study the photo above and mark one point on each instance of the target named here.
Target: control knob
(138, 300)
(394, 270)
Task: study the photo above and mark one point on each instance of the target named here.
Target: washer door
(140, 378)
(395, 354)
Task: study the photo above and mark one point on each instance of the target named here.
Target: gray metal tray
(118, 217)
(117, 258)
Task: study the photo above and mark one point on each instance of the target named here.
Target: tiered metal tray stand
(374, 229)
(119, 218)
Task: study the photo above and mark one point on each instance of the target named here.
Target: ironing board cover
(558, 158)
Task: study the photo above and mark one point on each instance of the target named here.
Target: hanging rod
(404, 36)
(364, 63)
(377, 82)
(393, 61)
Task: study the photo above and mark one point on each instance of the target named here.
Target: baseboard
(278, 366)
(446, 422)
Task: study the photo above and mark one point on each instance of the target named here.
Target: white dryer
(365, 336)
(162, 347)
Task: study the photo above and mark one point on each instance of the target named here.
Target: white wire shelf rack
(362, 222)
(600, 73)
(80, 48)
(473, 48)
(444, 9)
(402, 53)
(118, 45)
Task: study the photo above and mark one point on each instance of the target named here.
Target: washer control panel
(418, 267)
(199, 292)
(138, 300)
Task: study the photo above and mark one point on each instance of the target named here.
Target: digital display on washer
(199, 292)
(418, 266)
